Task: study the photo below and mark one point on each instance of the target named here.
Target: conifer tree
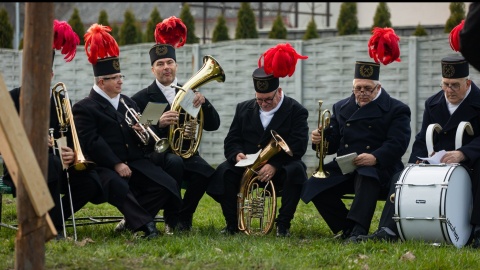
(278, 31)
(129, 30)
(189, 22)
(103, 18)
(420, 31)
(6, 31)
(382, 16)
(311, 31)
(246, 26)
(77, 25)
(155, 18)
(220, 33)
(457, 14)
(115, 32)
(347, 22)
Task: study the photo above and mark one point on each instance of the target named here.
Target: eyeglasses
(453, 86)
(115, 78)
(266, 100)
(367, 90)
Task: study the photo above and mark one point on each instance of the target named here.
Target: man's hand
(168, 118)
(365, 159)
(453, 157)
(68, 156)
(123, 170)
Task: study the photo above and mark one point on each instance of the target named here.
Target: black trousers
(194, 182)
(290, 193)
(333, 210)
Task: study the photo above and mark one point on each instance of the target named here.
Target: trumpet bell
(162, 145)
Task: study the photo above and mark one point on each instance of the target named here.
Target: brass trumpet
(160, 144)
(322, 147)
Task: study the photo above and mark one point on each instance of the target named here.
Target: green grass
(310, 247)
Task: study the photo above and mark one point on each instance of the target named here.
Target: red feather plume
(171, 31)
(99, 43)
(280, 60)
(65, 39)
(454, 36)
(383, 46)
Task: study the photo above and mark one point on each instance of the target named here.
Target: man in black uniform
(375, 126)
(137, 187)
(84, 185)
(191, 172)
(250, 131)
(457, 101)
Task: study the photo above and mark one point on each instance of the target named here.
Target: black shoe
(343, 235)
(382, 234)
(476, 239)
(356, 231)
(282, 231)
(184, 226)
(228, 230)
(169, 230)
(120, 226)
(150, 230)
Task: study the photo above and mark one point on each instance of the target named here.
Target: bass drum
(434, 203)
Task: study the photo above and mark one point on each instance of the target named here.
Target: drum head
(434, 203)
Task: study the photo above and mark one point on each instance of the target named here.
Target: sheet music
(187, 103)
(152, 113)
(435, 159)
(249, 160)
(346, 163)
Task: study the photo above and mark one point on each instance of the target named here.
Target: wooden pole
(35, 115)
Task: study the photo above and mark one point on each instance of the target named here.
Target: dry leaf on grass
(408, 256)
(85, 241)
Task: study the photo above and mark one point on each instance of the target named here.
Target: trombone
(322, 147)
(161, 145)
(65, 119)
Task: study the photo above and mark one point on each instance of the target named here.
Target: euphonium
(160, 144)
(257, 201)
(322, 147)
(65, 118)
(188, 131)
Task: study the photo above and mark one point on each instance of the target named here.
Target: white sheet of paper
(152, 113)
(187, 103)
(346, 163)
(435, 159)
(249, 160)
(62, 141)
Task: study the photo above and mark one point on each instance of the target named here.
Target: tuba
(188, 131)
(65, 118)
(257, 201)
(322, 147)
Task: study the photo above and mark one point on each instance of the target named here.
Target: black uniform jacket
(108, 140)
(381, 128)
(54, 164)
(436, 112)
(211, 123)
(247, 135)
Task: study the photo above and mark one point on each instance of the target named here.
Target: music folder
(152, 113)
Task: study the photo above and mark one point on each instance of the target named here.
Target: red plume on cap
(280, 60)
(454, 36)
(99, 43)
(66, 39)
(171, 31)
(383, 45)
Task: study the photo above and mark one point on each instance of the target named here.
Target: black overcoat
(381, 128)
(211, 123)
(247, 135)
(436, 112)
(108, 140)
